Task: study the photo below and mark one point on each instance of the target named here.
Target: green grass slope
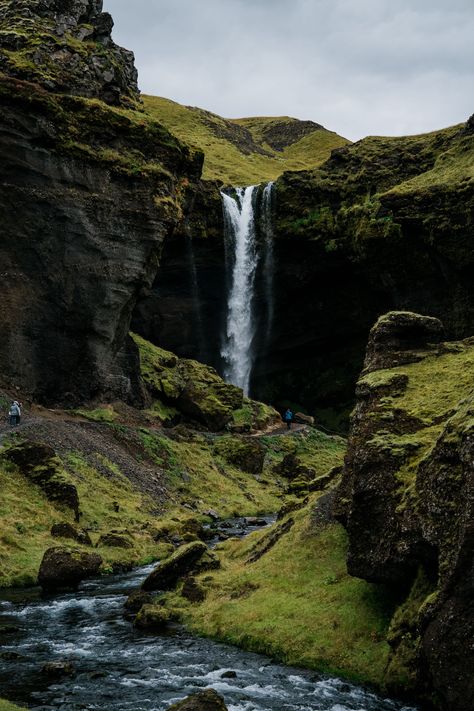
(249, 150)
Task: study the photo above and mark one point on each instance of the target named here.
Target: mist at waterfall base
(248, 241)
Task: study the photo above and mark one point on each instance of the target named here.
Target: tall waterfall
(268, 200)
(241, 243)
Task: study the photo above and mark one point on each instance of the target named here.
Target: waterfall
(240, 237)
(268, 200)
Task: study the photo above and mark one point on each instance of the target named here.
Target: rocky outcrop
(66, 568)
(245, 453)
(152, 617)
(39, 463)
(66, 47)
(207, 700)
(167, 573)
(406, 500)
(66, 530)
(88, 194)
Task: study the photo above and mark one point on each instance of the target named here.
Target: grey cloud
(358, 66)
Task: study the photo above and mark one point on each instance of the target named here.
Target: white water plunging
(237, 351)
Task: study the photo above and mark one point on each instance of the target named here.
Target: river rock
(66, 567)
(168, 572)
(136, 600)
(56, 670)
(114, 540)
(67, 530)
(152, 617)
(207, 700)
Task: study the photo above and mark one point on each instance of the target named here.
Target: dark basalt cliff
(88, 194)
(385, 223)
(406, 500)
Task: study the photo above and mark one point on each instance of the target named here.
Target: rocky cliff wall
(406, 500)
(88, 193)
(384, 224)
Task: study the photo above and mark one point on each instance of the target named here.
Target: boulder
(292, 468)
(39, 463)
(152, 617)
(168, 572)
(67, 530)
(136, 600)
(246, 453)
(303, 419)
(56, 670)
(67, 567)
(401, 337)
(114, 540)
(207, 700)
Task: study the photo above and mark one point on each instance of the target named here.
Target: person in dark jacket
(288, 417)
(15, 413)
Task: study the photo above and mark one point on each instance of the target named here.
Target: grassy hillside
(249, 150)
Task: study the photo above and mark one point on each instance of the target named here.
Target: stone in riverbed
(152, 617)
(136, 600)
(168, 572)
(207, 700)
(56, 670)
(67, 567)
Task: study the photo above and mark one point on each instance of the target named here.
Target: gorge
(148, 249)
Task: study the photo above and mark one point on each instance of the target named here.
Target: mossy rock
(194, 389)
(67, 567)
(168, 572)
(207, 700)
(243, 452)
(152, 617)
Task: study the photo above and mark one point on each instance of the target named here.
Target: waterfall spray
(237, 351)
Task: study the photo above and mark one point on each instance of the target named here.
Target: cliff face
(384, 224)
(88, 194)
(406, 500)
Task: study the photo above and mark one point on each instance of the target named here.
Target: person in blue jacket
(288, 417)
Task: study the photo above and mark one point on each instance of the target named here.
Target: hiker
(288, 417)
(15, 413)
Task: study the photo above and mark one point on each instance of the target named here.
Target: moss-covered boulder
(194, 389)
(207, 700)
(152, 617)
(168, 572)
(245, 453)
(114, 540)
(67, 567)
(39, 463)
(67, 530)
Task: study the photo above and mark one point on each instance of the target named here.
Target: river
(119, 668)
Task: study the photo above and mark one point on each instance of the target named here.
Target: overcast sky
(359, 67)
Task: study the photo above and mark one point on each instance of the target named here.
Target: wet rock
(152, 617)
(255, 521)
(38, 463)
(114, 540)
(303, 419)
(10, 656)
(401, 337)
(192, 591)
(56, 670)
(229, 675)
(67, 530)
(136, 600)
(9, 630)
(246, 453)
(207, 700)
(212, 514)
(66, 568)
(168, 572)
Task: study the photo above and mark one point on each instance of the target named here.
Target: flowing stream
(119, 668)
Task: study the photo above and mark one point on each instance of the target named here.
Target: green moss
(8, 706)
(104, 414)
(296, 603)
(237, 151)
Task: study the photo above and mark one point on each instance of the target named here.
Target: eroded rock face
(66, 568)
(406, 500)
(66, 46)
